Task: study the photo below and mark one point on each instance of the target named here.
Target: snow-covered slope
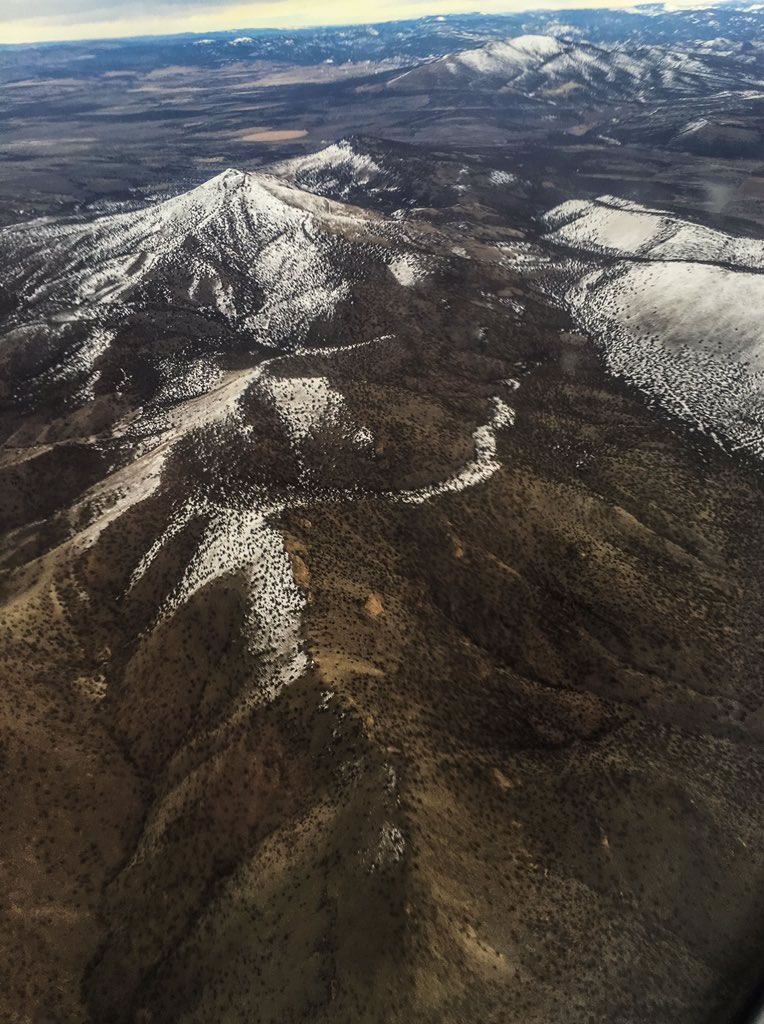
(168, 304)
(338, 170)
(152, 303)
(512, 58)
(718, 138)
(261, 252)
(678, 308)
(612, 226)
(558, 68)
(375, 175)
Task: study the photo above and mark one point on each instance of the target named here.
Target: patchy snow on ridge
(687, 335)
(502, 178)
(694, 126)
(614, 226)
(555, 67)
(336, 170)
(477, 471)
(511, 57)
(239, 540)
(678, 313)
(186, 377)
(599, 226)
(259, 250)
(304, 403)
(80, 362)
(338, 155)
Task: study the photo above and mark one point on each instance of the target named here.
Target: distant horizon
(199, 18)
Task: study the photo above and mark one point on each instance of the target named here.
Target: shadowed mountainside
(371, 654)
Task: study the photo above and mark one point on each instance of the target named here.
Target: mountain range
(381, 564)
(553, 68)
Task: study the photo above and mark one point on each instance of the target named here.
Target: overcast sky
(37, 20)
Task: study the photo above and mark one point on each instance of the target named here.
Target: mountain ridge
(552, 68)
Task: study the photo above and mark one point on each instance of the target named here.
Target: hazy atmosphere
(96, 19)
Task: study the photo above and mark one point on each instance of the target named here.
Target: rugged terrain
(381, 571)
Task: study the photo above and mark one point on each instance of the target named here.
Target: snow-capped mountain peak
(256, 248)
(511, 56)
(555, 67)
(342, 169)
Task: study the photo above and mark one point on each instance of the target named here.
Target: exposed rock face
(373, 606)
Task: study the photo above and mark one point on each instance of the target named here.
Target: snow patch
(502, 178)
(407, 270)
(477, 471)
(304, 403)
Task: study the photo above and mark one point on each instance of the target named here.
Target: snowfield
(612, 226)
(677, 308)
